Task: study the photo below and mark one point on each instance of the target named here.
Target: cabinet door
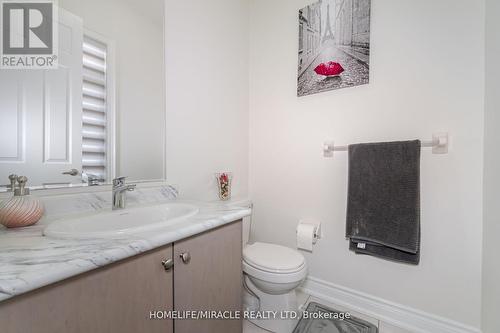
(115, 298)
(210, 280)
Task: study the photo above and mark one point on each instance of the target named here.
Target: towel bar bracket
(439, 144)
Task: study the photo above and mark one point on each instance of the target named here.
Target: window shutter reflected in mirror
(95, 108)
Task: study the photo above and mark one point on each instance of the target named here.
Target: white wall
(137, 33)
(207, 94)
(491, 266)
(426, 76)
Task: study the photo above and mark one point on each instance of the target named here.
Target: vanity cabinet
(206, 276)
(115, 298)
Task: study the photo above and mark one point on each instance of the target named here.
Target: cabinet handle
(168, 264)
(186, 257)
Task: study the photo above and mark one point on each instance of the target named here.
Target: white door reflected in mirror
(40, 126)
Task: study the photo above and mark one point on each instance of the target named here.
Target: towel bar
(439, 145)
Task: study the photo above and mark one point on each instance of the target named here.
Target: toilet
(271, 275)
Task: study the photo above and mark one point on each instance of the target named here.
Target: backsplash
(57, 206)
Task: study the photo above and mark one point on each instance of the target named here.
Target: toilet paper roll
(305, 236)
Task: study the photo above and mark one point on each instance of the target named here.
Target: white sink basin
(115, 223)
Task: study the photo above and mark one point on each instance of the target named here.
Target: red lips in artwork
(330, 68)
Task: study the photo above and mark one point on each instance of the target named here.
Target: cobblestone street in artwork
(356, 73)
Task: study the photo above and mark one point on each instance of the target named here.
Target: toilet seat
(274, 277)
(274, 263)
(273, 258)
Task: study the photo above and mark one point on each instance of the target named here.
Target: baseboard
(396, 314)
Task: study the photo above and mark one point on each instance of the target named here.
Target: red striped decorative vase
(20, 211)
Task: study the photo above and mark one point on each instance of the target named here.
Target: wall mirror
(101, 113)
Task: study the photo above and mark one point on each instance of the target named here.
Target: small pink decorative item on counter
(224, 184)
(22, 209)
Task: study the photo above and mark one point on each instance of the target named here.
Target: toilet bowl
(271, 274)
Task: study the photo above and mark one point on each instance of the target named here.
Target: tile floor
(248, 327)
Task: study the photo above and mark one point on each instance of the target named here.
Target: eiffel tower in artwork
(328, 30)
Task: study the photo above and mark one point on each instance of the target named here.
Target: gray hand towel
(383, 208)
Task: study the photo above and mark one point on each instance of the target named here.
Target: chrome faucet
(91, 179)
(119, 192)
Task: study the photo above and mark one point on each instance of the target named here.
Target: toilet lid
(273, 258)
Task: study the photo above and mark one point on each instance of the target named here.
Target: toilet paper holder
(317, 227)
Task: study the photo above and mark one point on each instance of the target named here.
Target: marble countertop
(29, 260)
